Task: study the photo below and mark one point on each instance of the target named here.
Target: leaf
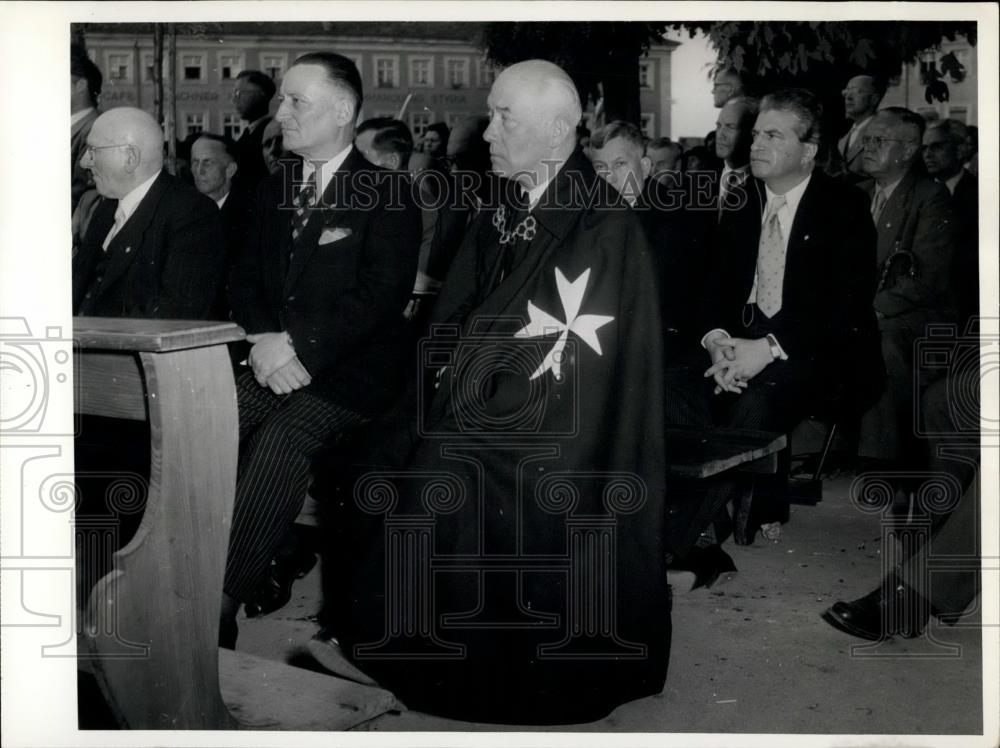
(952, 67)
(937, 89)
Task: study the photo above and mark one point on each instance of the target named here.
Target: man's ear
(132, 159)
(231, 169)
(647, 167)
(809, 153)
(910, 149)
(394, 161)
(560, 130)
(80, 85)
(345, 112)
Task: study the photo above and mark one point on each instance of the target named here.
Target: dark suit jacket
(166, 262)
(851, 157)
(917, 219)
(250, 158)
(826, 317)
(342, 296)
(78, 142)
(677, 233)
(965, 264)
(237, 215)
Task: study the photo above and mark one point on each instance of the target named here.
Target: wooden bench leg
(166, 586)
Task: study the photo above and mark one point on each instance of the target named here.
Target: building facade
(437, 70)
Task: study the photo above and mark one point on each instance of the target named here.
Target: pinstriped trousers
(279, 436)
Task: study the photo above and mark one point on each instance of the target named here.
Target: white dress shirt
(127, 206)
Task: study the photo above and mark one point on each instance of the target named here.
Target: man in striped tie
(320, 290)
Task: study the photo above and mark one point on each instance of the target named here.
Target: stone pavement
(753, 655)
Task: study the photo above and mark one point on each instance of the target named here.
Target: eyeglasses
(92, 149)
(877, 141)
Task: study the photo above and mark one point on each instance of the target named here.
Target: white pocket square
(329, 236)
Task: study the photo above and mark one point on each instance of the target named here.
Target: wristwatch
(772, 343)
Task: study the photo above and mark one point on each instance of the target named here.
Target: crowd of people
(772, 274)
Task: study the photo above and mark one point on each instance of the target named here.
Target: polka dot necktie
(771, 260)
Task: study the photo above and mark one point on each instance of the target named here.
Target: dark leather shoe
(275, 590)
(325, 648)
(890, 610)
(710, 565)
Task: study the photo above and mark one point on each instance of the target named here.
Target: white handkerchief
(329, 236)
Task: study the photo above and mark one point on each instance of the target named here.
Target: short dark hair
(441, 129)
(341, 70)
(956, 132)
(81, 66)
(804, 104)
(618, 129)
(391, 136)
(904, 116)
(261, 80)
(228, 143)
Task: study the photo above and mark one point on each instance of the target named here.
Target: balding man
(862, 95)
(916, 244)
(726, 84)
(154, 247)
(542, 437)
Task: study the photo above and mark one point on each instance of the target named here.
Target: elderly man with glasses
(154, 247)
(913, 217)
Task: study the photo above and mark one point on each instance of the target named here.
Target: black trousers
(279, 436)
(776, 400)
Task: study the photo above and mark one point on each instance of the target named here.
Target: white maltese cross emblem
(585, 326)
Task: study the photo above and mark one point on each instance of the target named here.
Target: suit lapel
(128, 241)
(894, 216)
(335, 208)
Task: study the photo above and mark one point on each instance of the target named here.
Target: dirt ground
(753, 655)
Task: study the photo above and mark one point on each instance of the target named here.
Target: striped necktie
(304, 203)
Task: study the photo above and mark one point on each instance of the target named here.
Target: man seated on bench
(788, 313)
(320, 290)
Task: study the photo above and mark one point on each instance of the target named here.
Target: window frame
(429, 59)
(447, 73)
(241, 63)
(182, 68)
(394, 60)
(129, 56)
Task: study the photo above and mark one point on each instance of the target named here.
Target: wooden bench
(150, 635)
(700, 453)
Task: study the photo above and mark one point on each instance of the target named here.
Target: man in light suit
(320, 289)
(862, 95)
(787, 322)
(913, 216)
(154, 247)
(86, 88)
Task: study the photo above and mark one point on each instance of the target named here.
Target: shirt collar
(77, 116)
(951, 183)
(862, 123)
(793, 197)
(326, 170)
(889, 188)
(130, 202)
(222, 200)
(536, 192)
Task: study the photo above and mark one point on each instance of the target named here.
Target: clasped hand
(275, 364)
(735, 361)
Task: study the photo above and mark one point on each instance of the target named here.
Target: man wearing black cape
(513, 571)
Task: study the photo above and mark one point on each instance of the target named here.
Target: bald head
(125, 148)
(534, 111)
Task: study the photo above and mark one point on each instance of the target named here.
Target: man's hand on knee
(288, 378)
(271, 351)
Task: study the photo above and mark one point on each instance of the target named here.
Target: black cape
(513, 571)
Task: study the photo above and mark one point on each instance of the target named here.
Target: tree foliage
(816, 53)
(602, 58)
